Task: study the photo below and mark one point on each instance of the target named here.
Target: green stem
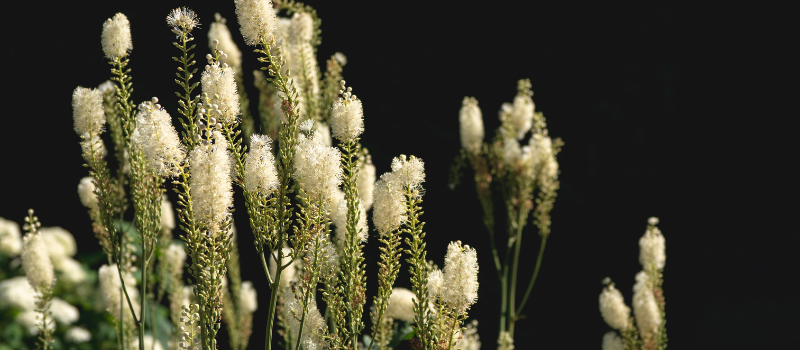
(143, 295)
(535, 274)
(512, 317)
(273, 297)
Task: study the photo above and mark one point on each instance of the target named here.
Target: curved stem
(273, 297)
(535, 274)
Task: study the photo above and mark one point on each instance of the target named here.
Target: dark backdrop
(671, 110)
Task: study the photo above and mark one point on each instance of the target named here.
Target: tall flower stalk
(527, 178)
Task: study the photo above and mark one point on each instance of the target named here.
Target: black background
(680, 111)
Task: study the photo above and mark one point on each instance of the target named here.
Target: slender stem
(273, 298)
(522, 217)
(125, 290)
(488, 221)
(266, 269)
(535, 274)
(143, 295)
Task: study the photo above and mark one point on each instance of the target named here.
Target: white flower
(435, 283)
(248, 299)
(182, 20)
(302, 27)
(317, 167)
(116, 38)
(86, 192)
(93, 148)
(522, 115)
(401, 305)
(471, 125)
(645, 307)
(460, 276)
(288, 274)
(611, 341)
(87, 111)
(158, 140)
(512, 153)
(10, 238)
(219, 31)
(260, 175)
(468, 338)
(340, 220)
(211, 183)
(38, 268)
(347, 119)
(257, 20)
(652, 249)
(114, 299)
(312, 326)
(366, 183)
(325, 131)
(71, 270)
(30, 320)
(410, 172)
(60, 243)
(220, 85)
(175, 257)
(167, 214)
(613, 308)
(16, 292)
(77, 335)
(389, 211)
(149, 342)
(63, 312)
(542, 157)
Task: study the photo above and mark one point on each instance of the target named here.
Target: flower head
(471, 123)
(460, 284)
(301, 28)
(71, 271)
(366, 182)
(257, 20)
(389, 211)
(158, 140)
(612, 341)
(652, 248)
(111, 290)
(220, 85)
(645, 306)
(93, 148)
(16, 292)
(260, 175)
(167, 214)
(77, 335)
(340, 220)
(401, 305)
(10, 238)
(86, 192)
(613, 308)
(313, 323)
(87, 111)
(522, 115)
(248, 299)
(35, 260)
(317, 167)
(211, 182)
(347, 117)
(410, 171)
(116, 38)
(219, 31)
(63, 312)
(182, 20)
